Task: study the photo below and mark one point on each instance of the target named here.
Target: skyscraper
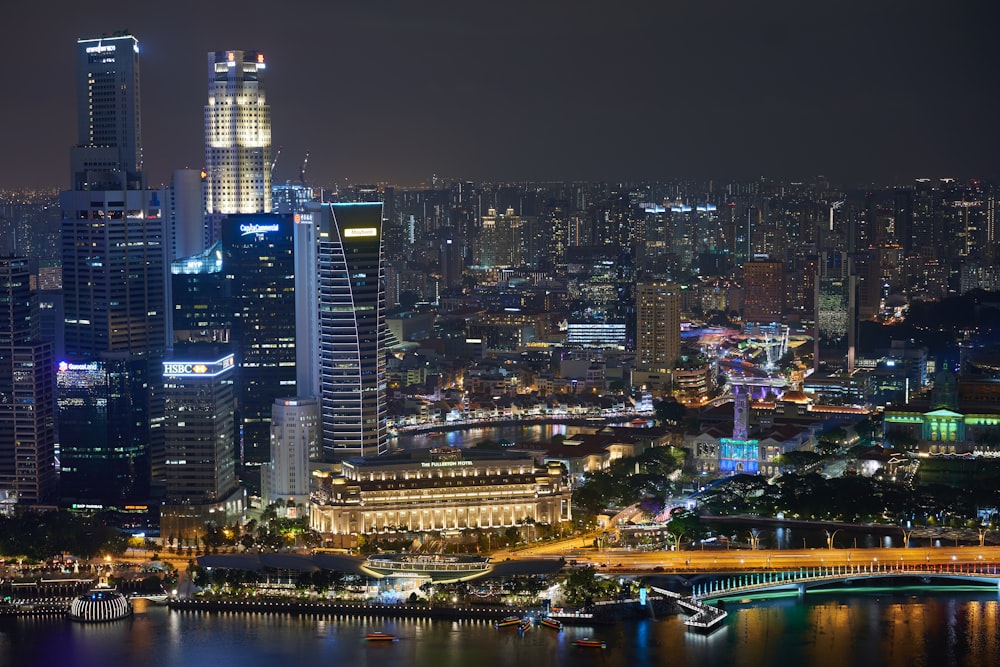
(295, 439)
(237, 134)
(346, 339)
(113, 253)
(108, 154)
(763, 291)
(658, 326)
(199, 437)
(27, 392)
(258, 263)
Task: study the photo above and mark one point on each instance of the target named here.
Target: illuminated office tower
(27, 392)
(114, 275)
(344, 336)
(658, 326)
(258, 265)
(237, 135)
(199, 440)
(108, 154)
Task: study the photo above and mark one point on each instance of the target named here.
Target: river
(906, 628)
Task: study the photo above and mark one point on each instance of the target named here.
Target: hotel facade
(439, 490)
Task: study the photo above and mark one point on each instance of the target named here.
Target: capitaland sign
(197, 368)
(89, 366)
(360, 232)
(247, 229)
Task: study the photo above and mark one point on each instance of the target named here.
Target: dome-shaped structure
(100, 604)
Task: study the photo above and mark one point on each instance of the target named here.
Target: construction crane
(275, 161)
(302, 169)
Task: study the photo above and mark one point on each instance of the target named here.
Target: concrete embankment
(279, 606)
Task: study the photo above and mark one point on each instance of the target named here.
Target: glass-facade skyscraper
(342, 329)
(113, 255)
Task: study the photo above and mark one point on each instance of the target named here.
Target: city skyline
(397, 93)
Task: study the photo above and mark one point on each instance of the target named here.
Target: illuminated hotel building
(436, 490)
(113, 259)
(344, 335)
(237, 135)
(199, 440)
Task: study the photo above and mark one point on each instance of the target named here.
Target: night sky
(399, 90)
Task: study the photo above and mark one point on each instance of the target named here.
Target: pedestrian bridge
(804, 578)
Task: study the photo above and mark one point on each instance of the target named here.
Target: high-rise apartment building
(27, 392)
(344, 335)
(658, 326)
(763, 291)
(237, 134)
(113, 255)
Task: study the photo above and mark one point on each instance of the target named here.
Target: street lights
(830, 536)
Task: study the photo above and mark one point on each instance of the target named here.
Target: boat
(508, 621)
(587, 642)
(380, 637)
(525, 626)
(552, 623)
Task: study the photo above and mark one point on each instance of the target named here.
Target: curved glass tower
(350, 338)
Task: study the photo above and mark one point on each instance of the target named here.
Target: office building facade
(258, 263)
(237, 134)
(199, 442)
(342, 325)
(27, 392)
(114, 286)
(295, 440)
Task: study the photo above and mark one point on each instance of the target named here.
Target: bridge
(808, 577)
(705, 617)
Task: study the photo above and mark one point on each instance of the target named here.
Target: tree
(669, 412)
(683, 523)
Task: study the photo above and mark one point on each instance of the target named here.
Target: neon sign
(254, 228)
(360, 231)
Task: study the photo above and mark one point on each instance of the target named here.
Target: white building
(295, 439)
(237, 135)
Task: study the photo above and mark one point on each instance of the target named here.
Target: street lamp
(830, 536)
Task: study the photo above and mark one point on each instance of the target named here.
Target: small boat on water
(552, 623)
(380, 637)
(587, 642)
(525, 626)
(508, 621)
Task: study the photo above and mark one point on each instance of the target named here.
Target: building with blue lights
(258, 265)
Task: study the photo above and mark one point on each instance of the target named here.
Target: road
(619, 560)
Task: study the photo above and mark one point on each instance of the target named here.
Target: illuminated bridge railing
(426, 566)
(761, 581)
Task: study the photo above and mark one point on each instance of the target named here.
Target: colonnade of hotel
(440, 516)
